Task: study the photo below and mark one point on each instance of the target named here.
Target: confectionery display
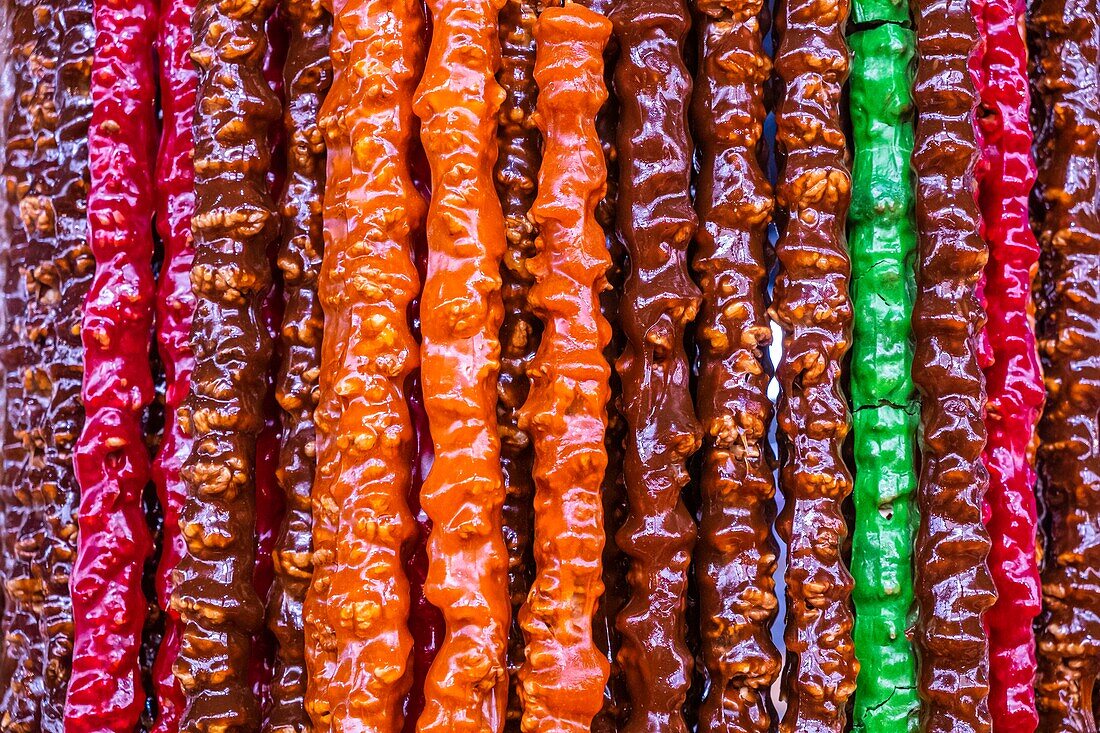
(550, 366)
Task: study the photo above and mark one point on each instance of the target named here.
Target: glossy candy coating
(175, 304)
(659, 299)
(953, 585)
(1066, 55)
(882, 241)
(515, 173)
(457, 102)
(812, 305)
(233, 225)
(564, 673)
(736, 555)
(111, 458)
(307, 74)
(1014, 381)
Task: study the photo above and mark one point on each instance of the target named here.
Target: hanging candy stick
(1067, 51)
(457, 102)
(952, 579)
(736, 555)
(111, 457)
(1014, 381)
(233, 225)
(882, 241)
(564, 674)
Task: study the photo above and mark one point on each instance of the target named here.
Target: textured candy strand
(1015, 380)
(952, 580)
(111, 458)
(736, 555)
(515, 174)
(307, 75)
(656, 223)
(882, 241)
(175, 305)
(812, 305)
(457, 102)
(30, 298)
(368, 290)
(1067, 53)
(564, 673)
(233, 225)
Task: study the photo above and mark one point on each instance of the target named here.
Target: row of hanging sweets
(389, 367)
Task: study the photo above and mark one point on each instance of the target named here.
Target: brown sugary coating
(234, 222)
(1065, 59)
(953, 584)
(736, 555)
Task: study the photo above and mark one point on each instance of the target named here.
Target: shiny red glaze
(175, 304)
(1014, 379)
(111, 460)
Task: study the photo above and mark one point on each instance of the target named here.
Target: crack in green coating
(882, 240)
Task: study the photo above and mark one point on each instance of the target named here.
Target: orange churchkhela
(564, 673)
(358, 606)
(467, 686)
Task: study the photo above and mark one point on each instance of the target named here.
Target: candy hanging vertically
(659, 299)
(515, 174)
(307, 74)
(736, 555)
(564, 673)
(1066, 53)
(111, 458)
(1014, 382)
(457, 102)
(233, 224)
(368, 279)
(951, 577)
(882, 242)
(812, 305)
(175, 304)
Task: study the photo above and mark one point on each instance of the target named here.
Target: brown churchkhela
(306, 75)
(953, 585)
(49, 268)
(736, 554)
(457, 101)
(812, 305)
(564, 673)
(516, 167)
(234, 223)
(1066, 54)
(656, 223)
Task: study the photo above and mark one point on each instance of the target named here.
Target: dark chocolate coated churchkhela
(736, 554)
(307, 74)
(111, 458)
(234, 223)
(656, 223)
(953, 584)
(812, 305)
(1066, 56)
(516, 168)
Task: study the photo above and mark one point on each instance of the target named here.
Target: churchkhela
(461, 407)
(461, 313)
(563, 674)
(951, 575)
(735, 557)
(1014, 380)
(882, 244)
(1066, 52)
(112, 461)
(812, 305)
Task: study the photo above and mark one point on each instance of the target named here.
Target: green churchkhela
(882, 241)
